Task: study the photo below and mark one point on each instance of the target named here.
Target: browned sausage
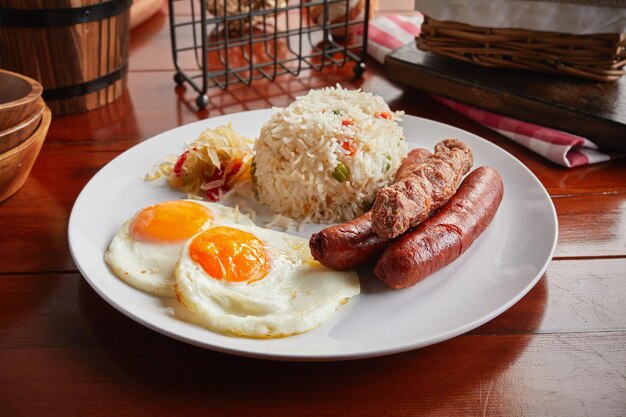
(408, 202)
(354, 243)
(413, 159)
(347, 245)
(448, 233)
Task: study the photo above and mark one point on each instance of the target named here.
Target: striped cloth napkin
(389, 32)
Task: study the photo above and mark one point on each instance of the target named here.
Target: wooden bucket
(77, 49)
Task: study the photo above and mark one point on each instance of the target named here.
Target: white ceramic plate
(501, 266)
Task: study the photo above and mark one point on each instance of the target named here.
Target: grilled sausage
(448, 233)
(408, 202)
(354, 243)
(413, 159)
(347, 245)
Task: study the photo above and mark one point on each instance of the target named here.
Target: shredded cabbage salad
(217, 162)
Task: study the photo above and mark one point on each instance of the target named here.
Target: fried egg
(254, 282)
(145, 250)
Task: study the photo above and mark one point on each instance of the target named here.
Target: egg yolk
(169, 222)
(230, 254)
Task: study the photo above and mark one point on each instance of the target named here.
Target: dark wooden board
(594, 110)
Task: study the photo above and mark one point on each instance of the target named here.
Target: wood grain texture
(557, 375)
(65, 351)
(572, 297)
(49, 193)
(16, 163)
(605, 213)
(19, 98)
(66, 56)
(152, 106)
(594, 110)
(18, 133)
(590, 226)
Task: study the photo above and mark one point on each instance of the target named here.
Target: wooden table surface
(560, 351)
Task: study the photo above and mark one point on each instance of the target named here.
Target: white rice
(300, 147)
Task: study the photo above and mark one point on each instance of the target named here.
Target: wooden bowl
(18, 98)
(14, 135)
(16, 163)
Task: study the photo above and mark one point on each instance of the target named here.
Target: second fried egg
(254, 282)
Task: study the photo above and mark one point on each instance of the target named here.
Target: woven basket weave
(599, 57)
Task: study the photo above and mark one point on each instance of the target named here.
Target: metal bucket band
(47, 18)
(75, 90)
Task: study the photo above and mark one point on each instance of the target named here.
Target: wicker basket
(600, 57)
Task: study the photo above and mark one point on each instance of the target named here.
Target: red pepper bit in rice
(348, 145)
(347, 122)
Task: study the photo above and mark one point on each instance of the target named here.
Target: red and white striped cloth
(390, 32)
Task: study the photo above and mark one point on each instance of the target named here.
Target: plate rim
(323, 356)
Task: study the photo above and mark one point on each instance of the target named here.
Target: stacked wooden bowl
(24, 122)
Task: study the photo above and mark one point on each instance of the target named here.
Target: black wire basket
(216, 43)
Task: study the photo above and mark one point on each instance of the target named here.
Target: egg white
(297, 294)
(150, 266)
